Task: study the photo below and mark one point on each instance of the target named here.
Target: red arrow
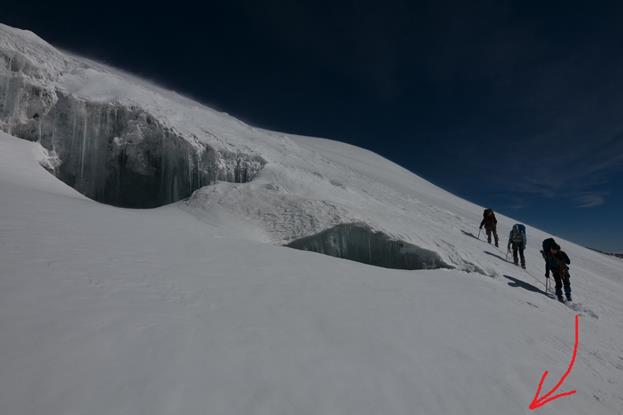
(538, 402)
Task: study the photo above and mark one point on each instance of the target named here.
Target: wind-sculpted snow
(24, 52)
(357, 242)
(283, 216)
(113, 152)
(313, 225)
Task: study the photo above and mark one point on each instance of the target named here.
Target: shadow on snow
(498, 257)
(470, 234)
(514, 282)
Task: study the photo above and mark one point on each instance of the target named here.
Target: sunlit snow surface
(194, 308)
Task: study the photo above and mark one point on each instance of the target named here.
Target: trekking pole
(479, 230)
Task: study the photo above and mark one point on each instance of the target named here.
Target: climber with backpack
(557, 262)
(517, 241)
(490, 224)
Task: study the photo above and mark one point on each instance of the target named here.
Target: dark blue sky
(513, 105)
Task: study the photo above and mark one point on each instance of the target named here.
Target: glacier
(127, 143)
(200, 304)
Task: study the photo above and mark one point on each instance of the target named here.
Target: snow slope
(194, 307)
(106, 310)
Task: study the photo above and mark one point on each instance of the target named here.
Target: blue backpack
(518, 234)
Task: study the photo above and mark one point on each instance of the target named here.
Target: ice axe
(546, 284)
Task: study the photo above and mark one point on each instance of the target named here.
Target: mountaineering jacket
(489, 221)
(557, 263)
(516, 237)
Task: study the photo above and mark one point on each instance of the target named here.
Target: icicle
(8, 84)
(163, 185)
(189, 167)
(84, 143)
(198, 155)
(53, 137)
(115, 120)
(97, 166)
(73, 134)
(39, 128)
(14, 113)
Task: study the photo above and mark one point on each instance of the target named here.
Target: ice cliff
(110, 145)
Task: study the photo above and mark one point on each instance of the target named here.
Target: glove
(547, 275)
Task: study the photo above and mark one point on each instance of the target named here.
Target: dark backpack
(487, 212)
(548, 244)
(518, 234)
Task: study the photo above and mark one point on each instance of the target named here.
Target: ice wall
(113, 153)
(358, 242)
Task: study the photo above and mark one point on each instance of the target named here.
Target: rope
(536, 279)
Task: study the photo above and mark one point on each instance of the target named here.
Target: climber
(490, 224)
(557, 262)
(517, 241)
